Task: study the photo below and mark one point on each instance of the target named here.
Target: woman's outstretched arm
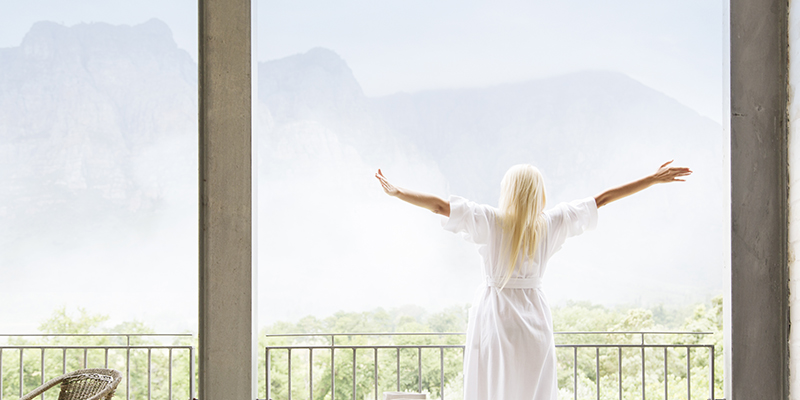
(664, 174)
(424, 200)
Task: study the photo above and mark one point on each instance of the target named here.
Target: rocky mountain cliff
(82, 109)
(576, 128)
(98, 161)
(98, 157)
(586, 131)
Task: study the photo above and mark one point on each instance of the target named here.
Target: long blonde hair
(522, 200)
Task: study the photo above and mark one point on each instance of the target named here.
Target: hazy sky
(410, 45)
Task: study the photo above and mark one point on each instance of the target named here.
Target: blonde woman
(510, 352)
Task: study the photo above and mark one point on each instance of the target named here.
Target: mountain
(474, 134)
(586, 131)
(98, 155)
(98, 161)
(318, 86)
(81, 110)
(567, 125)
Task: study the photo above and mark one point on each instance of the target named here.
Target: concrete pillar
(227, 322)
(758, 323)
(794, 197)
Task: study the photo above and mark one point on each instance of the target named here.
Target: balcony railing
(601, 365)
(282, 370)
(147, 369)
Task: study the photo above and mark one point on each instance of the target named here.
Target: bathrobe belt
(516, 283)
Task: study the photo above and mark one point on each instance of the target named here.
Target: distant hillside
(567, 125)
(98, 164)
(82, 109)
(98, 155)
(586, 131)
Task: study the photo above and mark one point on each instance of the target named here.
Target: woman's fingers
(666, 173)
(674, 174)
(387, 187)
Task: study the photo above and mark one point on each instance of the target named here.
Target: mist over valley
(98, 161)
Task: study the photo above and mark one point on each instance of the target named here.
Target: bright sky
(675, 46)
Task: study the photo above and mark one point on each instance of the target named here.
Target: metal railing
(88, 358)
(334, 348)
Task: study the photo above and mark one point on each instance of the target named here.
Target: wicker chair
(83, 384)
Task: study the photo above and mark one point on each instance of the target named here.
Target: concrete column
(758, 297)
(226, 332)
(794, 197)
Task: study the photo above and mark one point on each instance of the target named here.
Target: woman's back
(481, 224)
(509, 337)
(510, 352)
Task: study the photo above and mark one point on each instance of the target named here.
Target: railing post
(666, 375)
(398, 369)
(191, 372)
(333, 368)
(619, 352)
(128, 370)
(41, 366)
(644, 383)
(21, 372)
(149, 374)
(266, 372)
(441, 370)
(170, 373)
(354, 373)
(688, 373)
(419, 368)
(597, 371)
(575, 373)
(711, 371)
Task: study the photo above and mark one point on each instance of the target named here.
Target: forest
(430, 362)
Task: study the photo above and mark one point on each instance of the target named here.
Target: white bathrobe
(510, 352)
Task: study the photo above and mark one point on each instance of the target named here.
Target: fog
(98, 152)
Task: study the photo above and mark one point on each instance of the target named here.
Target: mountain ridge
(98, 140)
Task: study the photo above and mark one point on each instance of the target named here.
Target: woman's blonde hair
(522, 200)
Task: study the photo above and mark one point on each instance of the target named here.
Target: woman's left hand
(667, 173)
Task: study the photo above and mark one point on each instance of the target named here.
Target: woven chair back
(87, 383)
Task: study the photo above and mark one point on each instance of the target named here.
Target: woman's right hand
(390, 189)
(424, 200)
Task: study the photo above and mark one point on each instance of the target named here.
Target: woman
(510, 352)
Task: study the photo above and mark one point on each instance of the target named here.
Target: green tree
(588, 366)
(77, 352)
